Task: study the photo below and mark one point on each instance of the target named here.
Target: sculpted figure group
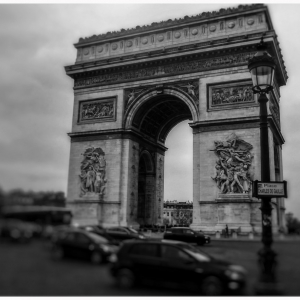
(232, 167)
(97, 111)
(232, 95)
(92, 177)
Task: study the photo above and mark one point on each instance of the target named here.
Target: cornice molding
(174, 49)
(205, 16)
(208, 124)
(237, 123)
(174, 54)
(115, 134)
(163, 68)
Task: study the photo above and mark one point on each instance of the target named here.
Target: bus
(42, 215)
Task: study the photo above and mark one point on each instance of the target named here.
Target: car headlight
(113, 258)
(105, 248)
(233, 275)
(237, 268)
(235, 272)
(141, 236)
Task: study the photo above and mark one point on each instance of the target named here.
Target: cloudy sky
(37, 97)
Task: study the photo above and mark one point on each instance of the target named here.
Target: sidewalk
(284, 238)
(257, 239)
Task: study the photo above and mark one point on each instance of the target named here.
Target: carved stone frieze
(232, 169)
(97, 110)
(93, 174)
(232, 94)
(165, 70)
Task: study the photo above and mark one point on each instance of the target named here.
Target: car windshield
(196, 253)
(97, 238)
(132, 230)
(101, 234)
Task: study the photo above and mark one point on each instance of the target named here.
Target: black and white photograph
(149, 149)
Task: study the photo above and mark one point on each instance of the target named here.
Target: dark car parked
(78, 243)
(175, 264)
(187, 235)
(124, 233)
(97, 229)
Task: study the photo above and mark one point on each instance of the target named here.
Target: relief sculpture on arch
(93, 177)
(233, 166)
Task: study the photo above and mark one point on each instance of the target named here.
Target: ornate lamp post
(262, 67)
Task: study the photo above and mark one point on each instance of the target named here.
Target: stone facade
(132, 87)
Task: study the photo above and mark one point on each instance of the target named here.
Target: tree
(292, 224)
(21, 197)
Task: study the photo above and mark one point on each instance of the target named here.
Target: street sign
(271, 189)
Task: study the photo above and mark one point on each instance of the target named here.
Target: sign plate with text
(272, 189)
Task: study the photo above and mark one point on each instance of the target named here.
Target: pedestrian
(226, 231)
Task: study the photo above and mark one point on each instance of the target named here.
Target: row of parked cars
(95, 241)
(136, 259)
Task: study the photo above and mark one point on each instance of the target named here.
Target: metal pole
(267, 257)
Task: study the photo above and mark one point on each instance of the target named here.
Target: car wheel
(96, 258)
(57, 253)
(212, 286)
(200, 243)
(15, 234)
(125, 278)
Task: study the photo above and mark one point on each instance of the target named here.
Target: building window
(221, 25)
(241, 22)
(260, 19)
(171, 214)
(168, 35)
(203, 29)
(167, 214)
(185, 33)
(152, 39)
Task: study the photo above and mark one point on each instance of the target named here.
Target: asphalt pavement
(28, 270)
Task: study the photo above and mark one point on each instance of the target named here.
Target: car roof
(114, 227)
(181, 228)
(157, 241)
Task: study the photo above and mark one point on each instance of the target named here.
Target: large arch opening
(178, 183)
(154, 119)
(159, 115)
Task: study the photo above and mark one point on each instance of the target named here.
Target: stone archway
(152, 115)
(133, 86)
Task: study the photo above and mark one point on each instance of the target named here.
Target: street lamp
(262, 67)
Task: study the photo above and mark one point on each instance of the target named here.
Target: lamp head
(262, 67)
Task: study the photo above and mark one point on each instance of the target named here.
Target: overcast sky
(37, 97)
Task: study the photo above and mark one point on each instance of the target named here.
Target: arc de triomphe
(133, 86)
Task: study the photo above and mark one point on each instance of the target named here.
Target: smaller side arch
(148, 160)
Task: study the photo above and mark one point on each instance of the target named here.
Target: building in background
(178, 213)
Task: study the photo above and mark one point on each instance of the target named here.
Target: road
(28, 270)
